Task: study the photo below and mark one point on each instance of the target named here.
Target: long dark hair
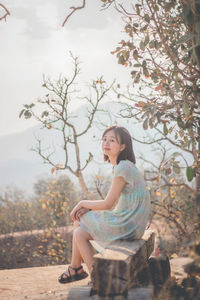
(125, 138)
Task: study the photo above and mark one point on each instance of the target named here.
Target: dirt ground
(42, 283)
(39, 283)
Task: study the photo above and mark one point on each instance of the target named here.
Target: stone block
(114, 270)
(156, 271)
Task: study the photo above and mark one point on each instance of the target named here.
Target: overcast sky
(34, 43)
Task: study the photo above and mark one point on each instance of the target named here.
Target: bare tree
(56, 116)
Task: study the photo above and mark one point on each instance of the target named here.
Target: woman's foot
(72, 274)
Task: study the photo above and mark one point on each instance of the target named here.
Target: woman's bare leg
(76, 255)
(85, 248)
(81, 250)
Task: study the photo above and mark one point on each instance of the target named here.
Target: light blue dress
(129, 217)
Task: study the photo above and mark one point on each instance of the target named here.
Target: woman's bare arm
(117, 186)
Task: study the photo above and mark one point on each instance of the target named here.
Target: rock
(83, 293)
(192, 269)
(114, 270)
(159, 269)
(156, 271)
(177, 267)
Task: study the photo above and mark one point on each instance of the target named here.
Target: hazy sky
(34, 43)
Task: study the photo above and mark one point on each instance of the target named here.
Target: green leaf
(137, 79)
(27, 114)
(159, 115)
(145, 124)
(44, 114)
(165, 129)
(151, 125)
(190, 173)
(21, 113)
(144, 63)
(176, 168)
(147, 18)
(142, 45)
(156, 44)
(146, 40)
(137, 9)
(180, 122)
(133, 74)
(146, 72)
(125, 55)
(185, 38)
(186, 109)
(135, 54)
(130, 45)
(121, 60)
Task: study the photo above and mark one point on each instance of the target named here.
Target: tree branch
(87, 161)
(124, 11)
(172, 142)
(48, 160)
(177, 185)
(7, 13)
(99, 96)
(170, 53)
(73, 11)
(149, 143)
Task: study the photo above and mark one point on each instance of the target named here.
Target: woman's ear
(123, 146)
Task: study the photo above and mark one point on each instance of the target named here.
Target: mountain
(21, 167)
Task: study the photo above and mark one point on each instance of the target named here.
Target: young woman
(123, 214)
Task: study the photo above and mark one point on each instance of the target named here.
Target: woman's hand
(80, 212)
(74, 211)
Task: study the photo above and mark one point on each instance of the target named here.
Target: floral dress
(129, 217)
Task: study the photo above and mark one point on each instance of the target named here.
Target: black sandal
(71, 278)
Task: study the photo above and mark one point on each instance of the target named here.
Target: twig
(7, 13)
(73, 10)
(178, 185)
(124, 11)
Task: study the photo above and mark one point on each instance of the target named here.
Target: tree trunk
(198, 171)
(198, 186)
(83, 186)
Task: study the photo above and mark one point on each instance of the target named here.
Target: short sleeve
(124, 169)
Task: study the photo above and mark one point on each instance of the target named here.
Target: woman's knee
(80, 234)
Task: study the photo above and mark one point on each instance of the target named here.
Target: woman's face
(111, 145)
